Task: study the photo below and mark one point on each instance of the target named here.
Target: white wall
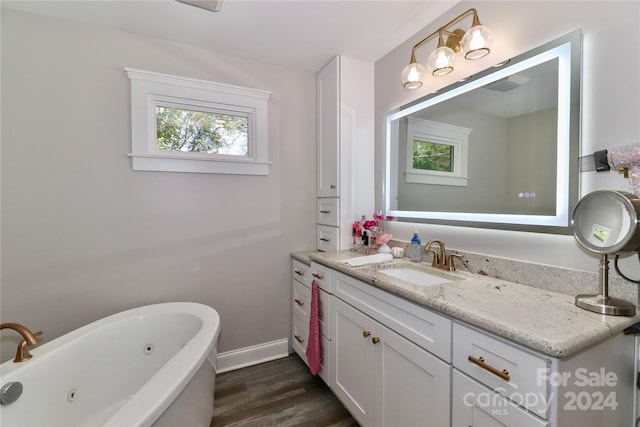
(83, 236)
(610, 106)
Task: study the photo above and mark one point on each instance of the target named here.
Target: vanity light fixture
(474, 44)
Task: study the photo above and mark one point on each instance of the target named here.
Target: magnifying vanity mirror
(499, 150)
(606, 222)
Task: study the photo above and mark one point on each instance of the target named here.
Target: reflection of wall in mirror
(510, 169)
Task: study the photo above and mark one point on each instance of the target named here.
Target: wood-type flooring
(278, 393)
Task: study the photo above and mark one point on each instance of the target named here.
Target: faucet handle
(450, 263)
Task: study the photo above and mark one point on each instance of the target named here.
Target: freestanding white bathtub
(153, 365)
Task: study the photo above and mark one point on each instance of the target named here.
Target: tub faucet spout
(29, 339)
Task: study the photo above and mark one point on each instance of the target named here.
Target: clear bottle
(416, 247)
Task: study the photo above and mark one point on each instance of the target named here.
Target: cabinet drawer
(425, 328)
(509, 370)
(301, 300)
(327, 211)
(299, 341)
(322, 276)
(327, 238)
(302, 304)
(476, 405)
(301, 272)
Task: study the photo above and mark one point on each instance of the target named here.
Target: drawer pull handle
(333, 186)
(300, 340)
(299, 273)
(320, 314)
(375, 340)
(300, 303)
(318, 276)
(325, 212)
(366, 334)
(504, 374)
(324, 239)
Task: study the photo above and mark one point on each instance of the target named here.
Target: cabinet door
(475, 405)
(412, 387)
(327, 92)
(352, 375)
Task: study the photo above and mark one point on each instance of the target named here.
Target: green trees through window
(201, 132)
(430, 156)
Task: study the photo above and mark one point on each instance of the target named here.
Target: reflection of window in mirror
(436, 153)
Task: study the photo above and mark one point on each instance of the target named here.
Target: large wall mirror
(499, 150)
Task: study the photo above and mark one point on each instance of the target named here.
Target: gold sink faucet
(29, 339)
(440, 259)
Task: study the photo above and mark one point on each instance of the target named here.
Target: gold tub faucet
(440, 259)
(29, 339)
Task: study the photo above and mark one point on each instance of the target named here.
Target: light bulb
(477, 42)
(441, 61)
(412, 76)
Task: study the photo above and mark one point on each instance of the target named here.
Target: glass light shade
(441, 61)
(412, 76)
(477, 42)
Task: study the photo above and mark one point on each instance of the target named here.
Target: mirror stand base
(606, 305)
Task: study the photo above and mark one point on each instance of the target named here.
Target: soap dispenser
(416, 247)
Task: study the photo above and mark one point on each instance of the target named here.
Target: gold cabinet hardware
(299, 273)
(333, 186)
(300, 303)
(375, 340)
(504, 374)
(325, 212)
(366, 334)
(300, 340)
(320, 314)
(324, 239)
(318, 276)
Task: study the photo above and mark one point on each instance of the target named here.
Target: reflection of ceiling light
(212, 5)
(474, 44)
(508, 83)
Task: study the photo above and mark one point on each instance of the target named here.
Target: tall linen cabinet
(345, 146)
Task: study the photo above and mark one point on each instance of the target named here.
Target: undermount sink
(416, 275)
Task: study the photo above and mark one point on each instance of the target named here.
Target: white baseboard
(236, 359)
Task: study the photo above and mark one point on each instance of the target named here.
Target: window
(187, 125)
(437, 153)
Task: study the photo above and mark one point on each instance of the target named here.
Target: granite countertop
(543, 320)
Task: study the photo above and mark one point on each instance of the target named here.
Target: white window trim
(440, 133)
(149, 89)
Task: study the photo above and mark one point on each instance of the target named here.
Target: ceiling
(300, 34)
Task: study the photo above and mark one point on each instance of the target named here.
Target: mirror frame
(568, 50)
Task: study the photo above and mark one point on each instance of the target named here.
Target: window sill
(455, 181)
(195, 164)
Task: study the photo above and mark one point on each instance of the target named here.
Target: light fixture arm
(476, 21)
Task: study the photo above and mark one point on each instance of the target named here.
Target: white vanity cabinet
(345, 146)
(383, 378)
(499, 383)
(302, 277)
(394, 362)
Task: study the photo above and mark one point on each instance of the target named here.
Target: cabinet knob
(300, 303)
(366, 334)
(333, 186)
(375, 340)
